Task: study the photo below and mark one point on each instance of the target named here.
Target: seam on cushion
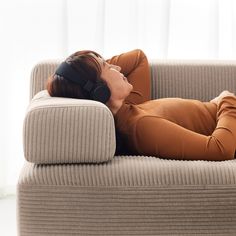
(166, 186)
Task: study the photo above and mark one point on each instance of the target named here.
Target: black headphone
(97, 91)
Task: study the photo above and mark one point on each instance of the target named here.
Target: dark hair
(87, 67)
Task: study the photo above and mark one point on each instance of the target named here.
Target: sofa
(73, 183)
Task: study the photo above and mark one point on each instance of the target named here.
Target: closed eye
(109, 66)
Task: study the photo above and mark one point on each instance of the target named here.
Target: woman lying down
(173, 128)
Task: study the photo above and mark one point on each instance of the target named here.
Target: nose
(117, 67)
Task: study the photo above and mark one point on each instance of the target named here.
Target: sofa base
(171, 210)
(130, 195)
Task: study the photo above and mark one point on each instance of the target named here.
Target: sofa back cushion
(198, 79)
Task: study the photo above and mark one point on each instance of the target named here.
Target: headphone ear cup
(101, 93)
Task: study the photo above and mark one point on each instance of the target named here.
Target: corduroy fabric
(135, 195)
(132, 171)
(202, 80)
(39, 75)
(197, 79)
(128, 196)
(63, 130)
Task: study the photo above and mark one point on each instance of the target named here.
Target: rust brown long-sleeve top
(172, 128)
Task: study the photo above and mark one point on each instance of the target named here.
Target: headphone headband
(97, 91)
(69, 73)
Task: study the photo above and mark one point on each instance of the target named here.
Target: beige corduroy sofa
(72, 184)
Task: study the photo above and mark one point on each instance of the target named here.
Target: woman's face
(118, 84)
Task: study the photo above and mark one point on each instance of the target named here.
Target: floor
(8, 216)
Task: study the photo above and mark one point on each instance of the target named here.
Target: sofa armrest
(65, 130)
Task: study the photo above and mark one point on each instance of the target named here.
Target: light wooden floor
(8, 216)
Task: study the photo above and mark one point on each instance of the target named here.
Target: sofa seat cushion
(132, 171)
(129, 195)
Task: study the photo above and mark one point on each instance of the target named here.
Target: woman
(172, 128)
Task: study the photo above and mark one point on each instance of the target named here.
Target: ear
(101, 93)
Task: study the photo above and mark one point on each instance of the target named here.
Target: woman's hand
(223, 94)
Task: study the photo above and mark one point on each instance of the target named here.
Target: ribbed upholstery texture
(129, 196)
(63, 130)
(132, 171)
(202, 80)
(136, 195)
(39, 75)
(196, 79)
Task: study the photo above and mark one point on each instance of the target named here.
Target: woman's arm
(223, 94)
(134, 65)
(163, 138)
